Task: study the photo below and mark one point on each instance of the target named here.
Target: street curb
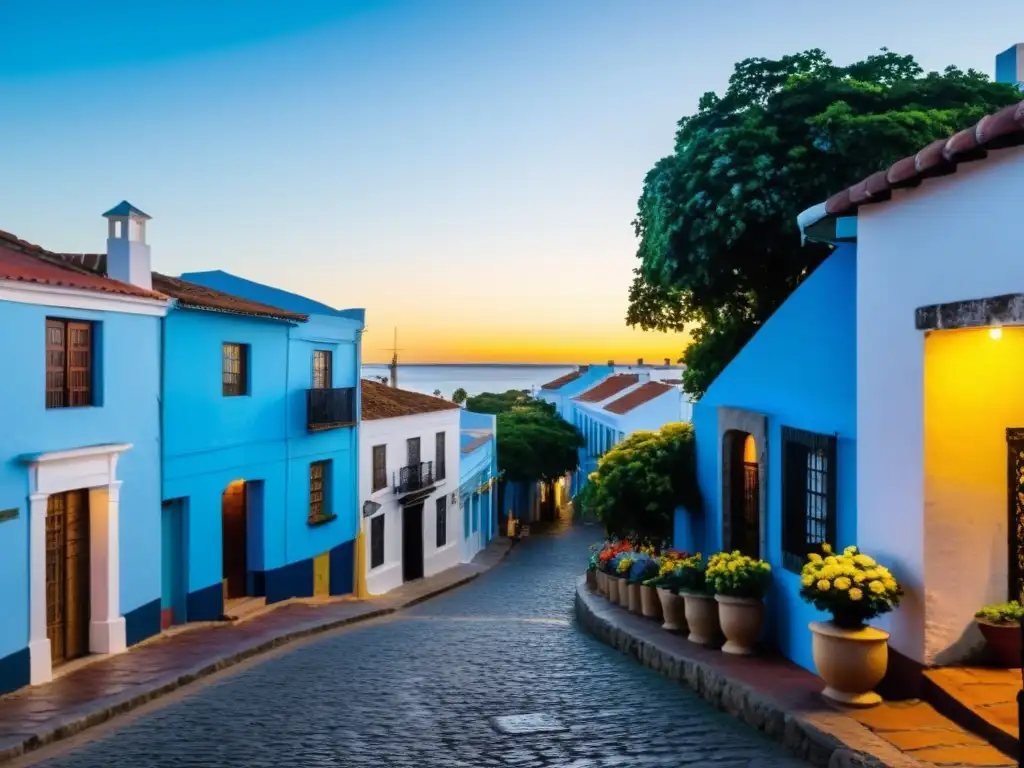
(73, 725)
(825, 739)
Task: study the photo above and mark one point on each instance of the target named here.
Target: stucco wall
(797, 371)
(972, 393)
(128, 356)
(393, 433)
(950, 239)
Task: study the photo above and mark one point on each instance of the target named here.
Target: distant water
(472, 378)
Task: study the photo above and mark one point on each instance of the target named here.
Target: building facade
(478, 481)
(409, 449)
(79, 456)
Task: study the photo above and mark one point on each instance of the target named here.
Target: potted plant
(672, 574)
(650, 603)
(699, 606)
(592, 569)
(625, 562)
(1000, 625)
(850, 656)
(739, 584)
(606, 565)
(644, 567)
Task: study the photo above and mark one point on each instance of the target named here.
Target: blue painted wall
(288, 555)
(128, 379)
(799, 370)
(476, 467)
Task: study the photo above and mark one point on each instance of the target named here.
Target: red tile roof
(193, 296)
(940, 158)
(642, 394)
(29, 263)
(561, 381)
(383, 402)
(610, 386)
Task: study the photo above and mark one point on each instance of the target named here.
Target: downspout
(287, 445)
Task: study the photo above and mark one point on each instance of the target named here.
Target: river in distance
(472, 378)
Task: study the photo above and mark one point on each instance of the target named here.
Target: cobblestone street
(421, 688)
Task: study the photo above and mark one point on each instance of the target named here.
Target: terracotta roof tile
(642, 394)
(1003, 129)
(561, 381)
(192, 296)
(610, 386)
(383, 402)
(29, 263)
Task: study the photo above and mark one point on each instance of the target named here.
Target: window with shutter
(377, 541)
(439, 468)
(442, 521)
(380, 467)
(319, 502)
(69, 363)
(808, 494)
(235, 370)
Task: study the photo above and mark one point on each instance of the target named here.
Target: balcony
(415, 477)
(330, 408)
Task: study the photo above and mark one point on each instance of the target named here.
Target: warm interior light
(995, 333)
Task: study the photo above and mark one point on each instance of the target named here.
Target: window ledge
(320, 520)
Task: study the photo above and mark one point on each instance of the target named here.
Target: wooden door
(234, 541)
(67, 575)
(412, 542)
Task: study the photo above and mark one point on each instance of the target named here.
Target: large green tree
(719, 245)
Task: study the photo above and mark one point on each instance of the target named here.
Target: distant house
(79, 455)
(879, 406)
(409, 451)
(313, 554)
(478, 481)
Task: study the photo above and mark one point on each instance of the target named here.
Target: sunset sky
(466, 170)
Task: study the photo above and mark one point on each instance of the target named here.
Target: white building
(409, 460)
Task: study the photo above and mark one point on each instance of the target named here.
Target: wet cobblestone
(421, 689)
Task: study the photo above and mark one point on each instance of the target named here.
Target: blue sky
(465, 169)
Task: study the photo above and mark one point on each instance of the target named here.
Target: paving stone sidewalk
(92, 694)
(784, 701)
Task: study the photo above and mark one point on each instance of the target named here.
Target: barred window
(319, 503)
(377, 541)
(235, 371)
(322, 369)
(808, 494)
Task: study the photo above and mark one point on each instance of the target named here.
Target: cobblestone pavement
(421, 689)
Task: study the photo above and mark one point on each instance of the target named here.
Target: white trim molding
(78, 298)
(95, 468)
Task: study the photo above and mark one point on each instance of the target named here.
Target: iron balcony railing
(414, 477)
(330, 408)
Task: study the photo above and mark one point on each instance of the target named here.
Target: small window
(69, 363)
(319, 502)
(377, 541)
(442, 521)
(413, 451)
(808, 494)
(439, 468)
(380, 466)
(476, 514)
(235, 379)
(322, 369)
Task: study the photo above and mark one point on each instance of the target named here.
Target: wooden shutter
(794, 499)
(79, 357)
(439, 457)
(56, 361)
(317, 483)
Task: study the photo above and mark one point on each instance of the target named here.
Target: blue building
(311, 551)
(776, 445)
(478, 481)
(79, 455)
(1010, 65)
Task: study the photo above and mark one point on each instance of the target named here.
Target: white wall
(393, 433)
(952, 238)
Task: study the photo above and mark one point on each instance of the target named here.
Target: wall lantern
(369, 507)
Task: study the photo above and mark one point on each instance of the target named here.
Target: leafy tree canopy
(459, 396)
(494, 403)
(719, 246)
(640, 482)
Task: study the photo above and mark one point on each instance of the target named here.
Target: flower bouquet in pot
(623, 564)
(739, 583)
(674, 573)
(592, 561)
(645, 568)
(606, 564)
(851, 657)
(1000, 625)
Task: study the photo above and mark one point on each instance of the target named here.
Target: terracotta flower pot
(634, 597)
(612, 586)
(741, 619)
(650, 603)
(701, 618)
(1004, 640)
(602, 583)
(672, 610)
(850, 661)
(624, 593)
(591, 579)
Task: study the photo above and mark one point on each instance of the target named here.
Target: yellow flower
(890, 584)
(842, 583)
(826, 548)
(807, 580)
(864, 561)
(877, 587)
(850, 551)
(814, 557)
(831, 560)
(855, 594)
(823, 585)
(859, 577)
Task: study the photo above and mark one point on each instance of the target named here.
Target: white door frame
(94, 468)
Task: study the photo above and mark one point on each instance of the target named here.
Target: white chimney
(128, 258)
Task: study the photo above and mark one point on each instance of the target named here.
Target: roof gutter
(818, 226)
